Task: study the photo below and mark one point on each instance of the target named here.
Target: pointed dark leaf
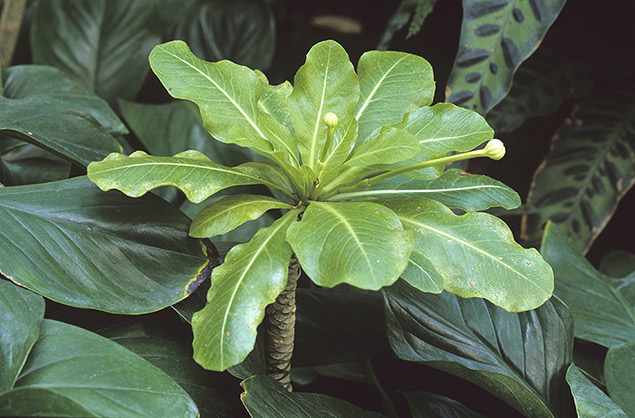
(21, 313)
(75, 373)
(590, 167)
(519, 357)
(496, 37)
(590, 401)
(74, 244)
(266, 398)
(601, 312)
(103, 44)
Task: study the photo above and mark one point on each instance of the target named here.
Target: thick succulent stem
(280, 322)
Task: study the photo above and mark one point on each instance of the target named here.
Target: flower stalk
(494, 149)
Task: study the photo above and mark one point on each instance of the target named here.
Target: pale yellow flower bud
(331, 120)
(495, 149)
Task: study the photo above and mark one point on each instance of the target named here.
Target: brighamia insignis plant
(355, 162)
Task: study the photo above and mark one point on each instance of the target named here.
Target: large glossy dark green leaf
(230, 212)
(251, 278)
(476, 254)
(28, 164)
(21, 313)
(103, 44)
(519, 357)
(590, 167)
(338, 325)
(454, 188)
(590, 401)
(168, 345)
(227, 95)
(191, 171)
(391, 83)
(24, 81)
(168, 129)
(242, 31)
(57, 125)
(75, 373)
(431, 405)
(265, 398)
(619, 369)
(359, 243)
(74, 244)
(326, 83)
(601, 312)
(496, 37)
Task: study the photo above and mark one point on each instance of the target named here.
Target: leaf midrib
(374, 90)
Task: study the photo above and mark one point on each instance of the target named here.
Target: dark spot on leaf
(556, 196)
(486, 97)
(493, 68)
(484, 8)
(472, 77)
(559, 217)
(575, 225)
(613, 172)
(589, 192)
(597, 185)
(471, 57)
(487, 29)
(587, 214)
(518, 15)
(461, 97)
(538, 8)
(568, 204)
(510, 52)
(579, 177)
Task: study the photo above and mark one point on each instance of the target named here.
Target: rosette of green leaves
(354, 161)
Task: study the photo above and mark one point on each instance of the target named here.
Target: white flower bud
(331, 120)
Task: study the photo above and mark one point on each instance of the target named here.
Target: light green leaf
(590, 401)
(519, 357)
(79, 246)
(191, 171)
(230, 212)
(422, 275)
(385, 146)
(265, 398)
(496, 37)
(75, 373)
(103, 44)
(251, 278)
(476, 254)
(590, 168)
(21, 313)
(273, 101)
(391, 83)
(326, 83)
(57, 126)
(168, 129)
(24, 81)
(454, 188)
(601, 313)
(619, 369)
(227, 95)
(444, 127)
(359, 243)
